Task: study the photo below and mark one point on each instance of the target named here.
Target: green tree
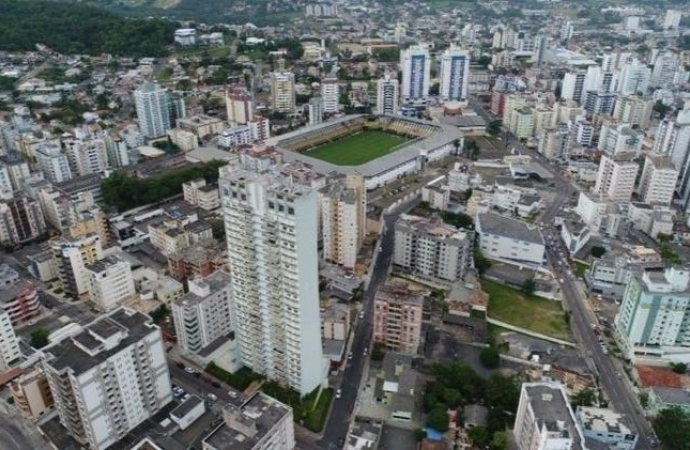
(598, 251)
(480, 436)
(490, 357)
(419, 434)
(39, 338)
(438, 419)
(661, 108)
(679, 367)
(452, 397)
(493, 128)
(672, 427)
(481, 263)
(499, 441)
(528, 286)
(585, 397)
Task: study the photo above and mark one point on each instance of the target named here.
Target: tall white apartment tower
(153, 109)
(283, 91)
(271, 226)
(616, 179)
(330, 94)
(9, 344)
(658, 181)
(239, 104)
(415, 63)
(455, 74)
(634, 77)
(387, 93)
(108, 378)
(315, 110)
(672, 19)
(53, 162)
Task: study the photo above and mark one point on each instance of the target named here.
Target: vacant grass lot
(526, 311)
(357, 149)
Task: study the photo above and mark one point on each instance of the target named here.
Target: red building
(21, 302)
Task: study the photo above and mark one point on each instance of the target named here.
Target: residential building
(330, 94)
(261, 422)
(397, 385)
(635, 110)
(615, 140)
(455, 74)
(16, 166)
(335, 322)
(343, 219)
(20, 301)
(31, 393)
(185, 140)
(661, 398)
(316, 110)
(431, 248)
(108, 378)
(198, 261)
(509, 240)
(86, 156)
(152, 104)
(201, 125)
(54, 164)
(544, 419)
(21, 220)
(616, 179)
(672, 19)
(185, 36)
(573, 86)
(276, 292)
(651, 322)
(239, 103)
(387, 94)
(110, 282)
(203, 314)
(235, 136)
(438, 197)
(71, 257)
(198, 193)
(611, 274)
(398, 318)
(283, 91)
(605, 426)
(634, 78)
(117, 150)
(522, 123)
(415, 64)
(9, 344)
(658, 181)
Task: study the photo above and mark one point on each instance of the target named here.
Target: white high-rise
(387, 93)
(634, 78)
(658, 181)
(672, 19)
(415, 63)
(271, 226)
(9, 345)
(455, 74)
(108, 378)
(53, 162)
(283, 91)
(110, 282)
(315, 110)
(153, 109)
(616, 179)
(330, 94)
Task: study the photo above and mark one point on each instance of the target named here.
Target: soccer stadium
(381, 148)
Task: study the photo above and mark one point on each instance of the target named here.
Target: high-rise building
(271, 227)
(315, 110)
(20, 300)
(387, 93)
(87, 156)
(619, 139)
(343, 219)
(398, 318)
(634, 78)
(21, 220)
(415, 63)
(262, 422)
(545, 420)
(636, 111)
(330, 94)
(17, 167)
(203, 314)
(116, 149)
(54, 164)
(9, 345)
(616, 179)
(567, 30)
(283, 91)
(658, 181)
(110, 282)
(652, 319)
(71, 256)
(153, 110)
(31, 393)
(664, 74)
(455, 74)
(239, 104)
(432, 248)
(573, 86)
(672, 19)
(108, 378)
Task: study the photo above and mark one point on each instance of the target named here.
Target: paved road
(335, 430)
(620, 396)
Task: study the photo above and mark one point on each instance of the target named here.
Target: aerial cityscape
(344, 225)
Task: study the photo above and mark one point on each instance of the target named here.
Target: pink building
(398, 318)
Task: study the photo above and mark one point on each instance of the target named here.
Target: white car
(212, 397)
(361, 315)
(349, 356)
(232, 394)
(189, 370)
(338, 393)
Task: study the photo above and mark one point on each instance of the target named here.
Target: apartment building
(315, 110)
(9, 344)
(239, 104)
(283, 91)
(185, 140)
(509, 240)
(201, 194)
(616, 179)
(415, 64)
(152, 104)
(398, 318)
(387, 94)
(260, 423)
(201, 125)
(454, 74)
(71, 257)
(21, 220)
(635, 110)
(545, 420)
(110, 282)
(620, 139)
(174, 235)
(108, 378)
(31, 393)
(271, 228)
(20, 301)
(198, 261)
(432, 248)
(343, 203)
(652, 320)
(607, 427)
(86, 156)
(53, 162)
(658, 181)
(330, 94)
(203, 314)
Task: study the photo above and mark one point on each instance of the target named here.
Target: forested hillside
(76, 28)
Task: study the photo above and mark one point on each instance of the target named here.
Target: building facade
(455, 74)
(398, 318)
(110, 282)
(387, 94)
(658, 181)
(9, 344)
(616, 179)
(20, 301)
(415, 63)
(152, 104)
(509, 240)
(31, 394)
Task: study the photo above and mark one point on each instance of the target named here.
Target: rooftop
(512, 228)
(551, 409)
(672, 396)
(215, 282)
(433, 228)
(603, 420)
(186, 407)
(103, 264)
(650, 376)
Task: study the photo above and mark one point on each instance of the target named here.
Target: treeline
(124, 192)
(76, 28)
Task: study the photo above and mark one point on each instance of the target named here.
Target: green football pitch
(357, 149)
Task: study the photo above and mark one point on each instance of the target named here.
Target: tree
(481, 263)
(39, 338)
(672, 427)
(529, 286)
(438, 419)
(480, 436)
(679, 367)
(493, 128)
(419, 434)
(661, 108)
(452, 397)
(585, 397)
(598, 251)
(499, 442)
(490, 357)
